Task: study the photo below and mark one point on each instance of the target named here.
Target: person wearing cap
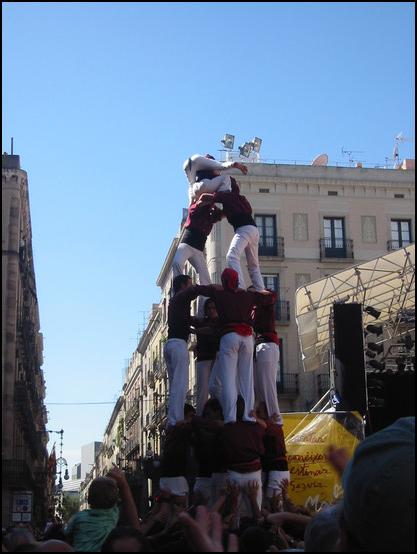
(235, 358)
(238, 212)
(205, 174)
(379, 492)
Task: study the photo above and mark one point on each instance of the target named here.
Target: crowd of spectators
(375, 515)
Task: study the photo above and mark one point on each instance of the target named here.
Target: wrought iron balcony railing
(336, 248)
(289, 384)
(271, 246)
(282, 311)
(397, 244)
(323, 384)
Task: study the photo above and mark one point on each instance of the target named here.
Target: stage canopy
(386, 284)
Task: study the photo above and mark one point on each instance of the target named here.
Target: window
(334, 237)
(267, 234)
(282, 307)
(400, 232)
(271, 282)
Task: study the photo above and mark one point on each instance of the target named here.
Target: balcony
(282, 311)
(159, 369)
(289, 384)
(132, 447)
(132, 414)
(336, 249)
(396, 244)
(160, 414)
(323, 384)
(271, 246)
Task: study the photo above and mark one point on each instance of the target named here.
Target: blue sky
(106, 100)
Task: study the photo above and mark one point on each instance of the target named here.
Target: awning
(386, 284)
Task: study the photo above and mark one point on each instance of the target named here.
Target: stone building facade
(24, 436)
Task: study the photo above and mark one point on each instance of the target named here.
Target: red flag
(52, 463)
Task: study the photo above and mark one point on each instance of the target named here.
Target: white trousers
(265, 377)
(221, 183)
(177, 361)
(215, 386)
(203, 370)
(242, 479)
(203, 486)
(275, 479)
(177, 485)
(235, 371)
(185, 253)
(246, 239)
(218, 482)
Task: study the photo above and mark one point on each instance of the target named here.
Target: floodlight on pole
(256, 144)
(228, 141)
(372, 311)
(245, 149)
(378, 348)
(374, 329)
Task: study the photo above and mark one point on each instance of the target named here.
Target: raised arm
(128, 503)
(201, 163)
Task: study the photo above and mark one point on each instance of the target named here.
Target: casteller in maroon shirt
(242, 445)
(235, 307)
(264, 322)
(275, 456)
(202, 215)
(236, 207)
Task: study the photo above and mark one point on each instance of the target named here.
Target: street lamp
(61, 463)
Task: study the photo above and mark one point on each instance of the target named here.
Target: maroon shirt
(200, 221)
(206, 442)
(174, 457)
(236, 208)
(275, 456)
(242, 444)
(207, 344)
(234, 307)
(264, 323)
(179, 313)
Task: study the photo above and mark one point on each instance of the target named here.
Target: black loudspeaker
(350, 380)
(397, 399)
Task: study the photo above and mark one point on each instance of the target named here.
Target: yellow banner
(314, 482)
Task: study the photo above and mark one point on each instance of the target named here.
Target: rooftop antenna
(11, 146)
(395, 154)
(350, 152)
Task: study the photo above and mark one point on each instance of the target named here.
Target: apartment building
(24, 436)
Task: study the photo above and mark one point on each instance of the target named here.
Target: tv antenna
(350, 152)
(395, 154)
